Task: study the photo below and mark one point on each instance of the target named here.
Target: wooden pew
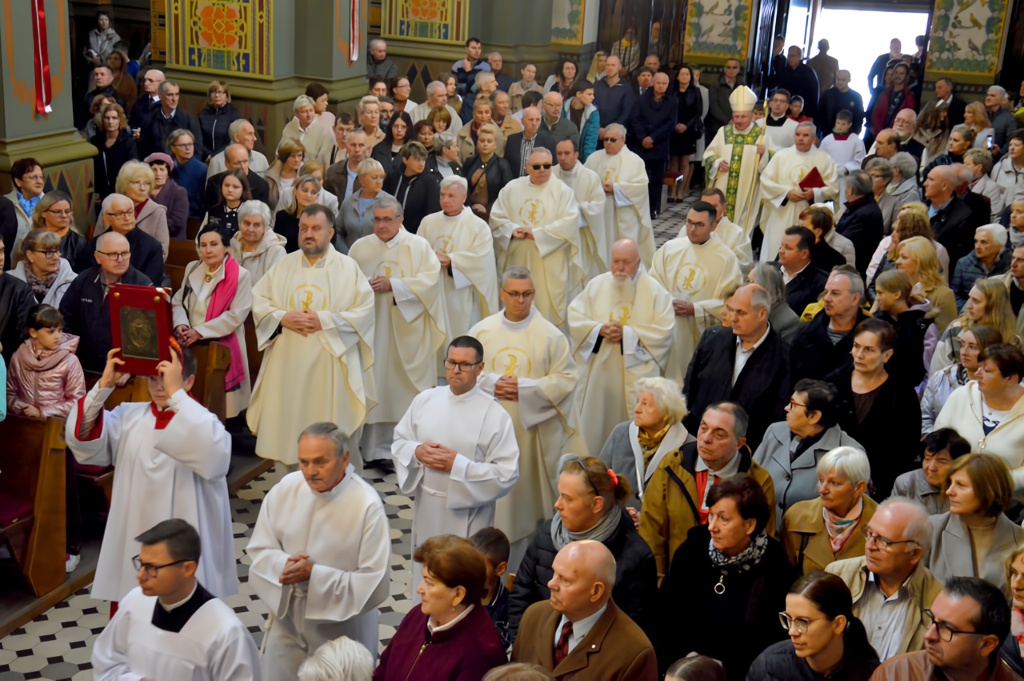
(179, 255)
(212, 360)
(252, 350)
(33, 520)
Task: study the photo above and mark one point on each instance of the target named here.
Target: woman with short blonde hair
(136, 181)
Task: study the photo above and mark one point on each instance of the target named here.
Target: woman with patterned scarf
(41, 266)
(212, 304)
(726, 584)
(819, 531)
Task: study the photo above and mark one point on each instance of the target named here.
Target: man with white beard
(595, 240)
(530, 370)
(463, 244)
(621, 331)
(409, 327)
(535, 224)
(627, 201)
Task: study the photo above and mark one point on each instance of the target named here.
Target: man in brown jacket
(674, 501)
(579, 633)
(968, 622)
(889, 584)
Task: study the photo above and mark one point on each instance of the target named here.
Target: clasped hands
(297, 569)
(302, 322)
(444, 259)
(380, 284)
(801, 195)
(436, 456)
(522, 233)
(612, 331)
(683, 308)
(507, 388)
(186, 335)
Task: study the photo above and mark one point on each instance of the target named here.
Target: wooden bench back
(33, 468)
(179, 255)
(212, 360)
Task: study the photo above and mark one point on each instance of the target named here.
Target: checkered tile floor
(57, 645)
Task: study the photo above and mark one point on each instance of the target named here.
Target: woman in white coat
(212, 304)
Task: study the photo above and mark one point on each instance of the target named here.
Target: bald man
(556, 125)
(85, 305)
(580, 632)
(621, 331)
(237, 157)
(951, 218)
(520, 145)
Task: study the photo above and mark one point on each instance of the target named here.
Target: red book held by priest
(812, 180)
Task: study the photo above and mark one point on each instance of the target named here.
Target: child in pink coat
(45, 378)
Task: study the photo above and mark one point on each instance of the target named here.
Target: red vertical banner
(41, 58)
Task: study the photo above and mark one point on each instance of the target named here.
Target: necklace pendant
(720, 587)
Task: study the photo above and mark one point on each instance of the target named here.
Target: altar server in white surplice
(321, 552)
(697, 270)
(529, 367)
(621, 331)
(535, 223)
(595, 232)
(463, 244)
(455, 451)
(170, 627)
(409, 324)
(627, 205)
(735, 158)
(783, 197)
(171, 457)
(314, 320)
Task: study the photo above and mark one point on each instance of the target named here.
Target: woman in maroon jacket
(450, 637)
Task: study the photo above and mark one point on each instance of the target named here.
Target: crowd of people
(797, 419)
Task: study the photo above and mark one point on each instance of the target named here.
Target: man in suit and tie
(579, 632)
(804, 281)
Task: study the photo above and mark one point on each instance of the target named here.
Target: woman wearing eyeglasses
(135, 181)
(42, 267)
(974, 538)
(826, 640)
(726, 583)
(589, 506)
(54, 214)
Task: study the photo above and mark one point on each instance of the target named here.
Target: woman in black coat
(215, 119)
(651, 126)
(388, 151)
(689, 127)
(726, 585)
(880, 413)
(418, 191)
(116, 147)
(592, 507)
(486, 172)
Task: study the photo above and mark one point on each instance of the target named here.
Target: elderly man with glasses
(890, 585)
(117, 214)
(455, 452)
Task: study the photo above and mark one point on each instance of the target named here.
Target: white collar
(394, 240)
(174, 606)
(521, 324)
(755, 346)
(434, 628)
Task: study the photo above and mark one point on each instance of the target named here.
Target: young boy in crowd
(495, 546)
(927, 483)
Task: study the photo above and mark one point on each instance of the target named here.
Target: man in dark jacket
(613, 98)
(8, 231)
(530, 138)
(654, 119)
(104, 79)
(165, 120)
(719, 109)
(16, 300)
(823, 344)
(862, 221)
(800, 79)
(118, 213)
(804, 281)
(749, 366)
(951, 219)
(85, 305)
(236, 157)
(838, 98)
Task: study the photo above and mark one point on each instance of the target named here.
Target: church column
(269, 50)
(48, 136)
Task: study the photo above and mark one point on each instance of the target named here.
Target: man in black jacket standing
(800, 79)
(861, 222)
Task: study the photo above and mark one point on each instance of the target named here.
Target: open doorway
(857, 36)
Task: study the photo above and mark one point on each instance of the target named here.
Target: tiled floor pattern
(57, 644)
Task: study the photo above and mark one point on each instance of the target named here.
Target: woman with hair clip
(826, 640)
(590, 505)
(212, 305)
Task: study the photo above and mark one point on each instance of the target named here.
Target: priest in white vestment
(529, 368)
(171, 456)
(455, 451)
(463, 245)
(847, 150)
(170, 627)
(735, 158)
(727, 231)
(314, 321)
(409, 324)
(535, 224)
(698, 271)
(621, 330)
(321, 554)
(596, 234)
(783, 197)
(627, 206)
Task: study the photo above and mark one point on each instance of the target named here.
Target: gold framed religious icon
(141, 325)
